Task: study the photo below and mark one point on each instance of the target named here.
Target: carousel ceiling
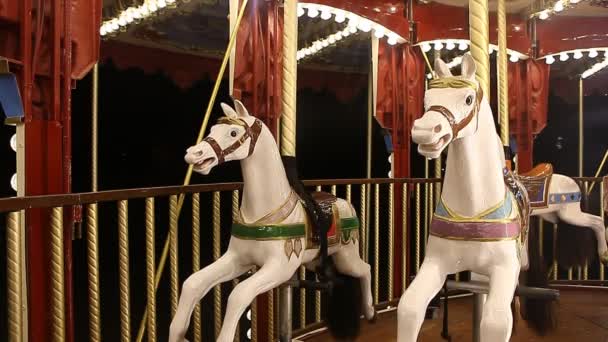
(200, 27)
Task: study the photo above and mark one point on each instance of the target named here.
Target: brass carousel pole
(478, 31)
(288, 143)
(503, 77)
(581, 138)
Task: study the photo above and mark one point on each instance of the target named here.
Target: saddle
(536, 182)
(328, 218)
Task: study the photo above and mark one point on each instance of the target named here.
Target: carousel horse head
(452, 106)
(233, 138)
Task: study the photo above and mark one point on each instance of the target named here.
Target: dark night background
(146, 124)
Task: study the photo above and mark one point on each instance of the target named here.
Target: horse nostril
(437, 128)
(199, 153)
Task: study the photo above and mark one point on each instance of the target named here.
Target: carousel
(468, 235)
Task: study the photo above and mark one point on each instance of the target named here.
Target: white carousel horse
(476, 225)
(272, 232)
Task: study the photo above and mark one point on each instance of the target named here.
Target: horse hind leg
(349, 262)
(573, 215)
(197, 285)
(272, 274)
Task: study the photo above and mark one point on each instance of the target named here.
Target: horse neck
(473, 178)
(265, 183)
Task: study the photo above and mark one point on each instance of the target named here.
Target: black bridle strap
(252, 132)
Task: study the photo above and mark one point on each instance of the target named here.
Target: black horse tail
(344, 307)
(540, 314)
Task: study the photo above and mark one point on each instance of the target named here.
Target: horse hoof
(374, 318)
(604, 258)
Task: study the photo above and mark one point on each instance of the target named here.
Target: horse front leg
(272, 274)
(497, 318)
(197, 285)
(413, 303)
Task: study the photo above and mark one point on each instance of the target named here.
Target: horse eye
(233, 134)
(469, 100)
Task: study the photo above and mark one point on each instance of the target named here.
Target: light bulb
(578, 55)
(326, 14)
(352, 29)
(102, 30)
(301, 11)
(340, 17)
(593, 53)
(379, 32)
(490, 50)
(249, 334)
(550, 60)
(429, 76)
(563, 56)
(390, 174)
(13, 142)
(438, 46)
(346, 33)
(249, 315)
(543, 15)
(450, 45)
(122, 21)
(606, 54)
(392, 40)
(161, 4)
(338, 36)
(365, 25)
(115, 25)
(463, 46)
(325, 43)
(313, 12)
(331, 39)
(559, 6)
(152, 6)
(514, 58)
(574, 1)
(426, 47)
(353, 20)
(14, 182)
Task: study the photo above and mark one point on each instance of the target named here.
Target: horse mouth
(205, 163)
(436, 146)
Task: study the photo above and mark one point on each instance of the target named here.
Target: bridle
(452, 82)
(252, 132)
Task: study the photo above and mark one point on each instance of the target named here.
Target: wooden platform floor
(583, 317)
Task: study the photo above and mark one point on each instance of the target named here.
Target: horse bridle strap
(252, 132)
(456, 83)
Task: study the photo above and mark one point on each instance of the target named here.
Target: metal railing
(121, 248)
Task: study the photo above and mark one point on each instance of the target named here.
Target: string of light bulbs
(576, 54)
(133, 14)
(320, 44)
(355, 22)
(595, 68)
(463, 45)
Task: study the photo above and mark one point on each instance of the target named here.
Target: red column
(258, 68)
(46, 69)
(528, 101)
(399, 101)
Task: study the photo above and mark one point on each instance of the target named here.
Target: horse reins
(252, 132)
(450, 82)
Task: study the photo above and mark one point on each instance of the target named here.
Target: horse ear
(442, 69)
(468, 66)
(240, 108)
(228, 111)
